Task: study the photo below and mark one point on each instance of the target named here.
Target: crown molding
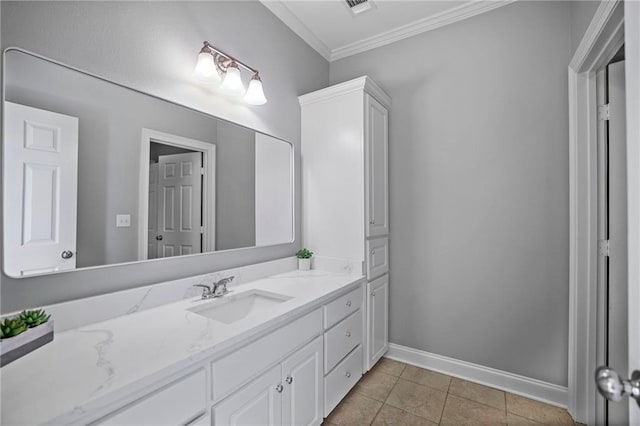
(459, 13)
(278, 8)
(364, 83)
(429, 23)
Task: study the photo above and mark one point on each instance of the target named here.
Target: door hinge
(202, 229)
(603, 112)
(603, 247)
(202, 171)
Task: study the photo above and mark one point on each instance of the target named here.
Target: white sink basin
(231, 308)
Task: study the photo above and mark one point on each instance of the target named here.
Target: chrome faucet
(217, 288)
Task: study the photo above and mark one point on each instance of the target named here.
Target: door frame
(605, 35)
(208, 186)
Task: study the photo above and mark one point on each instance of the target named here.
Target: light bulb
(232, 81)
(255, 94)
(205, 69)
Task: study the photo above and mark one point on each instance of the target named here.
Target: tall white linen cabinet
(345, 206)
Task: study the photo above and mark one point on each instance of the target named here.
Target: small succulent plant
(304, 254)
(34, 318)
(12, 327)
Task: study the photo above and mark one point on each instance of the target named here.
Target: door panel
(152, 223)
(258, 403)
(618, 413)
(180, 204)
(378, 319)
(303, 398)
(632, 49)
(41, 190)
(376, 169)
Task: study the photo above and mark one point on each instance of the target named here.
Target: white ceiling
(335, 32)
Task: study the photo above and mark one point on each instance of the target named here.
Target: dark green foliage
(34, 318)
(304, 254)
(12, 327)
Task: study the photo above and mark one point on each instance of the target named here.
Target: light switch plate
(123, 220)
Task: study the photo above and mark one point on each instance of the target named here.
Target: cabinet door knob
(348, 303)
(279, 388)
(348, 334)
(372, 222)
(373, 293)
(348, 374)
(372, 252)
(67, 254)
(289, 379)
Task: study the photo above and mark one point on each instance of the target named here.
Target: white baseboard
(514, 383)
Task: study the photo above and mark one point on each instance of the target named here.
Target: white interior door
(617, 342)
(40, 187)
(179, 204)
(632, 53)
(152, 223)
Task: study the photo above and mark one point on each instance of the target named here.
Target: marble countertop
(95, 365)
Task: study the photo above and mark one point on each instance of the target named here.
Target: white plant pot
(304, 264)
(18, 346)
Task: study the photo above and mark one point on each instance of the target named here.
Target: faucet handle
(225, 281)
(220, 287)
(206, 290)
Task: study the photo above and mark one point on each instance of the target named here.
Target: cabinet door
(376, 168)
(258, 403)
(378, 319)
(302, 373)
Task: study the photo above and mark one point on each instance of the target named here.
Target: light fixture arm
(208, 48)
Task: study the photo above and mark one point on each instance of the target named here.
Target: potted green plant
(304, 259)
(23, 333)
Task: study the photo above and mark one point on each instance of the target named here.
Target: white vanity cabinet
(288, 394)
(378, 317)
(376, 147)
(343, 341)
(182, 401)
(346, 190)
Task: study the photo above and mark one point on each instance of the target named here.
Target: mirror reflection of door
(41, 185)
(175, 225)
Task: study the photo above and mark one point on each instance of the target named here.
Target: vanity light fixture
(215, 66)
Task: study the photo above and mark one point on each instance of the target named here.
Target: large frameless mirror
(98, 174)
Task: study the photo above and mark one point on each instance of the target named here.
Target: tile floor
(394, 393)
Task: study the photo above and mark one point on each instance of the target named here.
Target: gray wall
(580, 14)
(153, 46)
(236, 195)
(479, 187)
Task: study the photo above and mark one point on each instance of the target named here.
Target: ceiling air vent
(359, 6)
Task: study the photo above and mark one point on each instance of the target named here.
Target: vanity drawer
(342, 306)
(177, 403)
(235, 369)
(340, 381)
(377, 257)
(341, 339)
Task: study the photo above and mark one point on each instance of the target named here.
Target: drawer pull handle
(279, 388)
(348, 334)
(348, 303)
(289, 379)
(348, 374)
